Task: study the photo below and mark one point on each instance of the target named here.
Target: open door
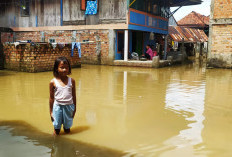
(120, 46)
(1, 54)
(2, 29)
(137, 42)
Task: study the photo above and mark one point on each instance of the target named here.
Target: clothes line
(25, 42)
(63, 44)
(78, 46)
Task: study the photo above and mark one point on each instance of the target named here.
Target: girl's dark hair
(56, 64)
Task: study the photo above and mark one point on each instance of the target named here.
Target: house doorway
(137, 42)
(120, 46)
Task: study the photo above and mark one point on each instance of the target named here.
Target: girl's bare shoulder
(73, 81)
(52, 82)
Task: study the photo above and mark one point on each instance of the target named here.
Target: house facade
(114, 30)
(191, 31)
(194, 40)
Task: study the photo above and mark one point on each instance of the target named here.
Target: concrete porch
(155, 63)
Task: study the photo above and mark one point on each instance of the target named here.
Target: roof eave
(178, 3)
(4, 29)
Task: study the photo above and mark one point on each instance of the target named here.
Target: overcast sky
(203, 8)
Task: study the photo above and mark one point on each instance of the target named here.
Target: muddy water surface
(168, 112)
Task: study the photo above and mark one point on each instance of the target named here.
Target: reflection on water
(187, 99)
(121, 111)
(19, 145)
(189, 102)
(25, 141)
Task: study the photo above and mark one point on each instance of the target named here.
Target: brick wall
(6, 37)
(59, 36)
(24, 36)
(221, 47)
(1, 57)
(220, 54)
(38, 58)
(95, 52)
(222, 9)
(222, 39)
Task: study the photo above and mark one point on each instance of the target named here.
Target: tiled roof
(189, 34)
(194, 19)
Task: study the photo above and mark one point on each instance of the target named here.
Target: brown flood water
(182, 111)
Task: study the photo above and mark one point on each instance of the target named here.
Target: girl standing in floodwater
(62, 96)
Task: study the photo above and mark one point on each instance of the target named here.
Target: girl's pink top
(150, 52)
(154, 53)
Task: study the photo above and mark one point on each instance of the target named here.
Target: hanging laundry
(61, 45)
(175, 45)
(76, 45)
(16, 43)
(205, 45)
(54, 45)
(91, 8)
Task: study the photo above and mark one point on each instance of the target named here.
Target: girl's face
(63, 69)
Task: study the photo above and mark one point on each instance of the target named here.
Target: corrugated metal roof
(189, 34)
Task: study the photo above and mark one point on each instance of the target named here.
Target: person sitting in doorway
(149, 53)
(154, 51)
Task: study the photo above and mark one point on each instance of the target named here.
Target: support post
(61, 12)
(126, 45)
(210, 30)
(14, 37)
(36, 21)
(165, 46)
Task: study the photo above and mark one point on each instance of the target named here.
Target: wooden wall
(7, 13)
(112, 11)
(72, 14)
(47, 13)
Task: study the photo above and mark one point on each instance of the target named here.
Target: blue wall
(142, 21)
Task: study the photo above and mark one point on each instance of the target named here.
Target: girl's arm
(51, 99)
(74, 95)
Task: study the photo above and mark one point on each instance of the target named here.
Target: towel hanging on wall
(91, 8)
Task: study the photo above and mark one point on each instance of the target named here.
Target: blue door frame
(118, 56)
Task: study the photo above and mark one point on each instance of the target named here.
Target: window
(52, 40)
(155, 7)
(25, 7)
(84, 2)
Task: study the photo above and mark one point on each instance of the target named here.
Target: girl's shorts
(63, 114)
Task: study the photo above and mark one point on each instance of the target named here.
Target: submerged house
(194, 40)
(108, 30)
(191, 32)
(195, 20)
